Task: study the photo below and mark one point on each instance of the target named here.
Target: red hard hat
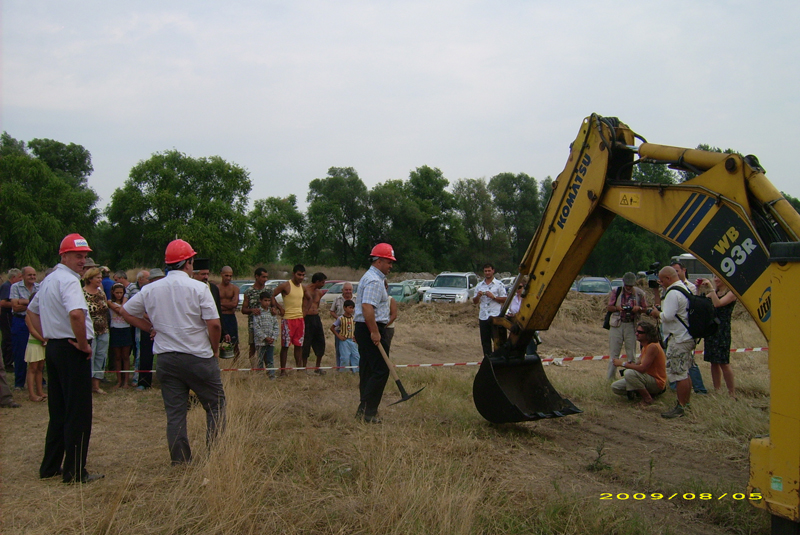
(72, 243)
(383, 250)
(178, 250)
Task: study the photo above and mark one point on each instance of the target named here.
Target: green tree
(480, 220)
(274, 221)
(517, 200)
(41, 205)
(70, 161)
(336, 211)
(418, 218)
(172, 195)
(545, 191)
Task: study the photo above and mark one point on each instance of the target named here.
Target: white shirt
(675, 305)
(516, 302)
(690, 285)
(490, 307)
(59, 294)
(178, 307)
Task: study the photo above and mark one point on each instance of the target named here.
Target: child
(121, 338)
(343, 328)
(266, 329)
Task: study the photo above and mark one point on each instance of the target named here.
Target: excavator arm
(729, 216)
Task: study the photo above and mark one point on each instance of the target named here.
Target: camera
(652, 275)
(627, 308)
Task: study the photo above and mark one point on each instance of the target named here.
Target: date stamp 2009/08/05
(754, 496)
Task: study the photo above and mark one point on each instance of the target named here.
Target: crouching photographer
(648, 378)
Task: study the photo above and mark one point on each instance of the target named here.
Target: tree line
(433, 224)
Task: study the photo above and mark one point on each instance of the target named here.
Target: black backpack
(703, 321)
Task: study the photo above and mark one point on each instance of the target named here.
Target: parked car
(452, 288)
(403, 292)
(424, 287)
(594, 286)
(335, 291)
(243, 285)
(272, 284)
(617, 283)
(507, 282)
(328, 284)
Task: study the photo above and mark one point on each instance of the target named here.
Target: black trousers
(373, 372)
(485, 327)
(145, 359)
(5, 332)
(69, 400)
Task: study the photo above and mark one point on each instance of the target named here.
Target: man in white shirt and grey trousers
(187, 331)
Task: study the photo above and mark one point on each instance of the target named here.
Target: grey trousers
(179, 373)
(625, 335)
(633, 380)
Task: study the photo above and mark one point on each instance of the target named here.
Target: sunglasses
(639, 332)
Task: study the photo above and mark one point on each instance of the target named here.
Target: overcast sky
(289, 89)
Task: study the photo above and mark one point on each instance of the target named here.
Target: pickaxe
(404, 396)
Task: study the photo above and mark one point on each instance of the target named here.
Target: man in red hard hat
(185, 321)
(59, 312)
(371, 317)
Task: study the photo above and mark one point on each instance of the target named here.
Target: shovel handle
(389, 363)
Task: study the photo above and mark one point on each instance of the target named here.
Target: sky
(288, 89)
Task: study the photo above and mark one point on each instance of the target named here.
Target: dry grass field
(294, 460)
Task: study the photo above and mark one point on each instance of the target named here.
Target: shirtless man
(292, 325)
(315, 334)
(229, 302)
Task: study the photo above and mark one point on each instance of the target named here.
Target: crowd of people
(667, 348)
(81, 324)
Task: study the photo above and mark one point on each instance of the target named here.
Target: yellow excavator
(729, 216)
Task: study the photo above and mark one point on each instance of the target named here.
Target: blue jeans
(19, 343)
(697, 381)
(336, 343)
(99, 355)
(265, 358)
(348, 349)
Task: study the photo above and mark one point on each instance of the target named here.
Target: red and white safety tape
(557, 360)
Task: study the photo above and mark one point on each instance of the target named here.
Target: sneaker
(372, 420)
(676, 412)
(319, 372)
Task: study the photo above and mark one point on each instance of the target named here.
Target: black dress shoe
(372, 420)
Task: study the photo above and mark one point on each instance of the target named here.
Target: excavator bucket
(517, 390)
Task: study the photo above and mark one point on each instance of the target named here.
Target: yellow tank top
(293, 302)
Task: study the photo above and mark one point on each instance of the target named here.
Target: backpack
(703, 321)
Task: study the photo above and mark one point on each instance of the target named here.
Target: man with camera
(625, 304)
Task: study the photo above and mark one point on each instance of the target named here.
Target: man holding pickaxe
(371, 317)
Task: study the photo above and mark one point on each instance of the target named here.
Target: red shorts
(292, 332)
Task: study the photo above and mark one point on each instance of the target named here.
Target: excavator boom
(729, 216)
